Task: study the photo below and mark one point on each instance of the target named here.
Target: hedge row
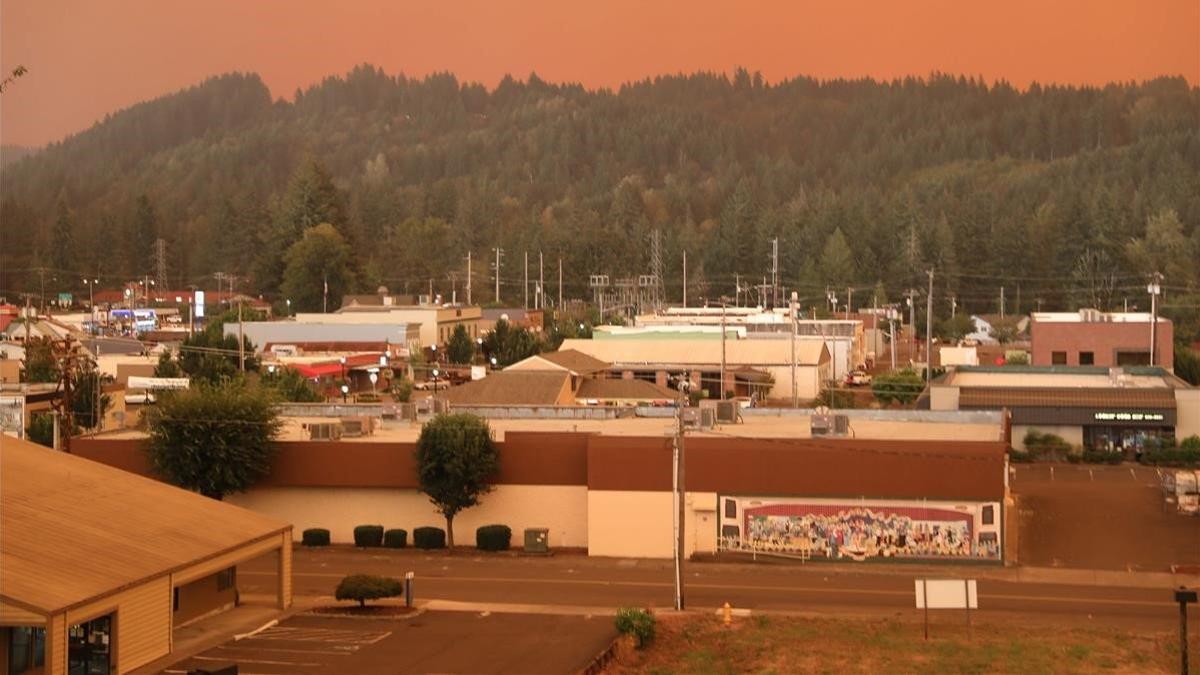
(487, 538)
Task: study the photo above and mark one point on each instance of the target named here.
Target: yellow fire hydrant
(727, 613)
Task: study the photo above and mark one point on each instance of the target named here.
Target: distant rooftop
(1093, 316)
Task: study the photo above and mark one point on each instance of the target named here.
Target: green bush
(1047, 447)
(1101, 457)
(363, 587)
(1190, 443)
(1181, 456)
(366, 536)
(636, 622)
(493, 537)
(429, 537)
(395, 538)
(316, 536)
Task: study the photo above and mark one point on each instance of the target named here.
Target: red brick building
(1090, 337)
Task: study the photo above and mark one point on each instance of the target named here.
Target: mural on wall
(860, 529)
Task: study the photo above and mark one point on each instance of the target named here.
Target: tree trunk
(450, 533)
(362, 603)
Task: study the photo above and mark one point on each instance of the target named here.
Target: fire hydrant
(727, 613)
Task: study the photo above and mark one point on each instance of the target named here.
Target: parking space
(443, 642)
(1100, 517)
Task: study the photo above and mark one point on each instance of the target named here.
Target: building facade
(1090, 337)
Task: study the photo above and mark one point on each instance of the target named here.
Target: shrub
(1181, 456)
(429, 537)
(368, 535)
(1047, 447)
(493, 537)
(1102, 457)
(636, 622)
(1190, 443)
(363, 587)
(316, 536)
(395, 538)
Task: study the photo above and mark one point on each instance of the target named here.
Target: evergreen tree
(62, 239)
(320, 266)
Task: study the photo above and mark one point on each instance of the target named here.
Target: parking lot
(1100, 517)
(429, 642)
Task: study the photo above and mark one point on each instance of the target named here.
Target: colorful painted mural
(860, 529)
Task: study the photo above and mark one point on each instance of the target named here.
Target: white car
(858, 378)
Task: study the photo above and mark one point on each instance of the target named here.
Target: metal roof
(1072, 397)
(74, 529)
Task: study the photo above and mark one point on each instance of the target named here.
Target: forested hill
(1071, 194)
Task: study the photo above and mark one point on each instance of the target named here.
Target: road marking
(345, 651)
(1092, 474)
(745, 587)
(269, 663)
(1051, 473)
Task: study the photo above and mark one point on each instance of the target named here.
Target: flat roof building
(1090, 337)
(101, 565)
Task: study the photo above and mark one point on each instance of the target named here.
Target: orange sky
(90, 58)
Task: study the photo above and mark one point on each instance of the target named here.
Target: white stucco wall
(560, 509)
(1187, 411)
(640, 524)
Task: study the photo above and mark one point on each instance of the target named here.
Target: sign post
(1183, 596)
(946, 594)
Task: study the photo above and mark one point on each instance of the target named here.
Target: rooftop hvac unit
(389, 411)
(841, 425)
(708, 418)
(324, 431)
(728, 412)
(355, 427)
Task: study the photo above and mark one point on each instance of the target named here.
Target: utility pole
(723, 303)
(793, 311)
(324, 293)
(775, 271)
(685, 278)
(526, 285)
(1001, 302)
(929, 329)
(892, 329)
(1154, 288)
(677, 460)
(849, 299)
(560, 302)
(469, 303)
(539, 302)
(241, 341)
(912, 318)
(954, 306)
(499, 252)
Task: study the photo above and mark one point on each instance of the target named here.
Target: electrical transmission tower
(657, 291)
(160, 263)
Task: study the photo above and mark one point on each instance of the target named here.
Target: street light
(345, 391)
(435, 379)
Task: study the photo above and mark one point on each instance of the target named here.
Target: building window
(1058, 358)
(988, 516)
(226, 578)
(1133, 358)
(26, 648)
(89, 646)
(175, 600)
(731, 508)
(1087, 358)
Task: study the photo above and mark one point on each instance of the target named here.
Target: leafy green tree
(287, 384)
(363, 587)
(311, 199)
(956, 327)
(509, 345)
(1187, 364)
(901, 386)
(213, 439)
(41, 429)
(321, 258)
(460, 348)
(167, 366)
(456, 464)
(40, 362)
(402, 389)
(212, 356)
(1165, 249)
(89, 401)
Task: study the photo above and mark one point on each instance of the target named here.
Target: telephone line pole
(499, 252)
(929, 329)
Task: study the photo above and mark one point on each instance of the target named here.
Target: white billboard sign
(946, 594)
(198, 299)
(136, 382)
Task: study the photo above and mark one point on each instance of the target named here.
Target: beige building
(747, 362)
(437, 321)
(101, 565)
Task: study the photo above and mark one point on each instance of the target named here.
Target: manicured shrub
(1190, 443)
(636, 622)
(1180, 457)
(1102, 457)
(363, 587)
(395, 538)
(316, 536)
(1047, 447)
(493, 537)
(368, 535)
(429, 537)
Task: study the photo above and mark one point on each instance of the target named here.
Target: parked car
(858, 378)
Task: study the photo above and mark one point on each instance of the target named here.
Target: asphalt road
(574, 580)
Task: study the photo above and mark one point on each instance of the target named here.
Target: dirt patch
(700, 643)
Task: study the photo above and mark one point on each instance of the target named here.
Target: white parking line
(269, 663)
(345, 651)
(1092, 474)
(1131, 473)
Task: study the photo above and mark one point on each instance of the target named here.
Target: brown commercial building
(610, 491)
(99, 566)
(1090, 337)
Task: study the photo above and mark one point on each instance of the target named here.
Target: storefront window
(1125, 439)
(26, 649)
(89, 647)
(1058, 358)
